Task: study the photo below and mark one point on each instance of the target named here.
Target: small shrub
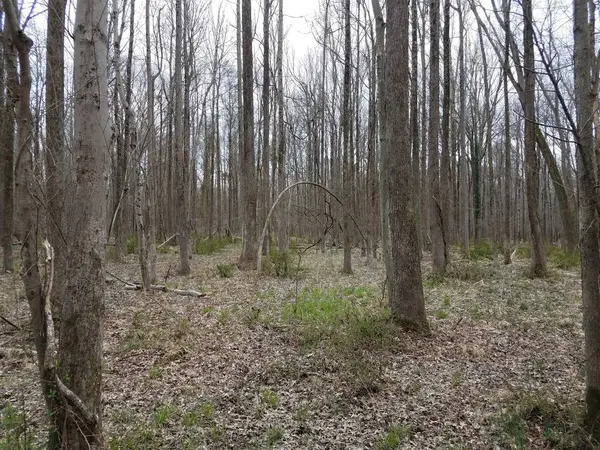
(207, 246)
(273, 436)
(14, 433)
(132, 242)
(394, 437)
(523, 251)
(446, 300)
(542, 417)
(441, 314)
(269, 398)
(280, 265)
(225, 270)
(561, 258)
(481, 250)
(162, 414)
(155, 372)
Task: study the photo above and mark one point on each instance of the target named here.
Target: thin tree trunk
(347, 166)
(532, 163)
(507, 143)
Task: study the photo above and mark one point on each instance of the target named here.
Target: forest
(219, 232)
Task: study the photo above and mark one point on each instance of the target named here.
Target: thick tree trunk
(590, 232)
(82, 321)
(532, 163)
(406, 289)
(248, 175)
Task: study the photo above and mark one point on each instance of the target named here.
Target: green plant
(207, 246)
(523, 251)
(441, 314)
(481, 249)
(14, 430)
(223, 317)
(543, 417)
(155, 372)
(273, 436)
(162, 414)
(562, 258)
(470, 270)
(446, 300)
(394, 437)
(225, 270)
(132, 242)
(269, 398)
(280, 264)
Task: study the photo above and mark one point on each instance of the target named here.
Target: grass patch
(541, 417)
(561, 258)
(225, 270)
(395, 436)
(155, 372)
(162, 414)
(273, 436)
(481, 250)
(132, 242)
(470, 271)
(207, 246)
(441, 315)
(269, 398)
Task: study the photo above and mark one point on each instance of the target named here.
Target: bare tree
(406, 288)
(248, 176)
(436, 226)
(346, 132)
(181, 154)
(532, 163)
(587, 176)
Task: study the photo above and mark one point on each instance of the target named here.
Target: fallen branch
(163, 288)
(164, 243)
(17, 327)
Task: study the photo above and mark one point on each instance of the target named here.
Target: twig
(10, 323)
(457, 323)
(119, 279)
(163, 288)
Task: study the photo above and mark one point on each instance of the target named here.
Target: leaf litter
(232, 370)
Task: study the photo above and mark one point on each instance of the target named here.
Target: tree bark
(55, 143)
(82, 321)
(406, 289)
(248, 176)
(590, 232)
(346, 166)
(532, 163)
(507, 143)
(436, 226)
(180, 152)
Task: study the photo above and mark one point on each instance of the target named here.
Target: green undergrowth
(556, 255)
(395, 436)
(16, 431)
(345, 318)
(541, 416)
(481, 249)
(207, 246)
(281, 265)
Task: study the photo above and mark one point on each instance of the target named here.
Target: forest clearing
(313, 361)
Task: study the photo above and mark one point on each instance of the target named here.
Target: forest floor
(313, 362)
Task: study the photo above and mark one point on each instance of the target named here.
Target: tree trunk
(590, 232)
(462, 136)
(346, 167)
(507, 143)
(445, 187)
(282, 220)
(532, 163)
(82, 321)
(180, 152)
(438, 240)
(55, 143)
(266, 118)
(248, 176)
(406, 289)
